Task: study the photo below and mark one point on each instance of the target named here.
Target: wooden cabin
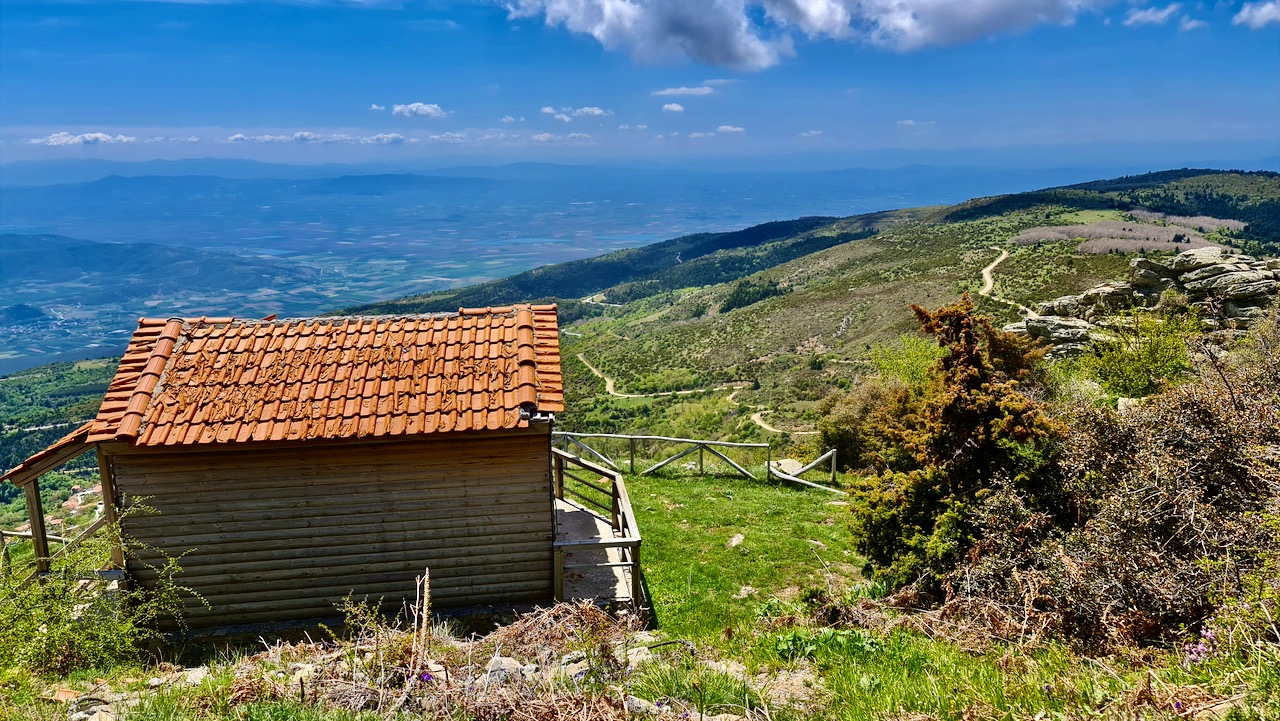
(291, 463)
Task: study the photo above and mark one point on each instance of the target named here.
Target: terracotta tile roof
(219, 380)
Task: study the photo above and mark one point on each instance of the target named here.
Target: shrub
(950, 443)
(70, 620)
(907, 360)
(1147, 354)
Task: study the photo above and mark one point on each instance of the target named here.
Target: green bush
(906, 360)
(1147, 354)
(71, 619)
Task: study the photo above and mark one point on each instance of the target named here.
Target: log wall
(274, 534)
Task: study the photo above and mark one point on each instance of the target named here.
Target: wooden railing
(599, 488)
(718, 449)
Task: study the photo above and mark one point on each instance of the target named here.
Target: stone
(641, 707)
(1274, 263)
(155, 682)
(1150, 266)
(1020, 327)
(1243, 311)
(638, 656)
(1108, 295)
(1058, 330)
(1143, 278)
(1189, 260)
(196, 676)
(736, 541)
(1068, 306)
(1241, 284)
(1210, 271)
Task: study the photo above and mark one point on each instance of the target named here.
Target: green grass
(692, 574)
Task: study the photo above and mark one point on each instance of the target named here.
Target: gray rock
(1241, 284)
(1108, 295)
(1243, 311)
(196, 676)
(1189, 260)
(1020, 327)
(1143, 278)
(1150, 266)
(1059, 330)
(641, 707)
(1274, 264)
(1209, 271)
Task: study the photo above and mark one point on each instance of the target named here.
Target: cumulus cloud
(916, 123)
(508, 119)
(562, 118)
(1189, 23)
(305, 137)
(163, 139)
(577, 136)
(449, 138)
(64, 139)
(719, 81)
(419, 110)
(1258, 14)
(755, 34)
(592, 111)
(810, 133)
(730, 129)
(1151, 15)
(698, 135)
(547, 110)
(375, 106)
(700, 90)
(673, 108)
(544, 137)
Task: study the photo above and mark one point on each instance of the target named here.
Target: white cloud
(916, 123)
(375, 106)
(810, 133)
(1189, 23)
(1258, 14)
(419, 110)
(545, 137)
(624, 126)
(1151, 15)
(642, 127)
(673, 108)
(450, 138)
(163, 139)
(730, 129)
(702, 90)
(547, 110)
(698, 135)
(384, 139)
(64, 139)
(591, 111)
(508, 119)
(755, 34)
(562, 118)
(719, 81)
(578, 136)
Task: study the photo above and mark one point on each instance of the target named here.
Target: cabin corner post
(39, 534)
(110, 509)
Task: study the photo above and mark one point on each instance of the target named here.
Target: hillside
(792, 309)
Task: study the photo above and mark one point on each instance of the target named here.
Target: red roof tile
(219, 380)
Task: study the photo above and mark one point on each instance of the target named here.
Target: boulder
(1189, 260)
(1243, 311)
(1210, 271)
(1108, 295)
(1143, 278)
(1150, 266)
(1235, 285)
(1068, 306)
(1057, 330)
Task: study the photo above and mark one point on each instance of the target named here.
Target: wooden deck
(600, 582)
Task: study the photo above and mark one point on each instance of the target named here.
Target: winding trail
(757, 417)
(989, 285)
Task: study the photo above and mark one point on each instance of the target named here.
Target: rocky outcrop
(1229, 287)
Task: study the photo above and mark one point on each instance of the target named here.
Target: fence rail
(606, 492)
(717, 449)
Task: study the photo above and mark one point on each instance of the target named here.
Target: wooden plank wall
(273, 535)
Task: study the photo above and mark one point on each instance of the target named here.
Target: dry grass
(1105, 236)
(1203, 223)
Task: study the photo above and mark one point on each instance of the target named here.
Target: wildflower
(424, 676)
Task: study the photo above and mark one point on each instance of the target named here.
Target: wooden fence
(602, 489)
(663, 450)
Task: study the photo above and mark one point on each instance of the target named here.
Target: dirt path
(612, 390)
(758, 417)
(989, 285)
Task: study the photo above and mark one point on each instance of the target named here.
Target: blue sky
(593, 80)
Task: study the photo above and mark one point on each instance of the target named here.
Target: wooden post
(110, 505)
(614, 507)
(633, 456)
(558, 577)
(637, 581)
(701, 472)
(833, 466)
(39, 534)
(557, 463)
